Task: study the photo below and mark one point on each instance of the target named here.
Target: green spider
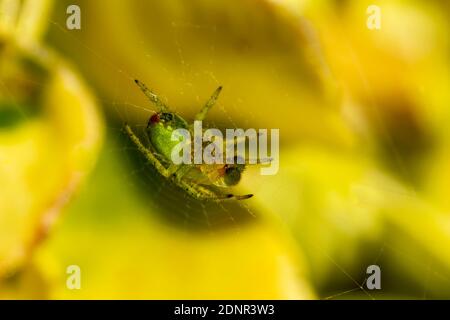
(193, 179)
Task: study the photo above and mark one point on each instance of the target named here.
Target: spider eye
(232, 176)
(166, 116)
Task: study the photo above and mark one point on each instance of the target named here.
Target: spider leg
(258, 161)
(178, 171)
(204, 111)
(146, 152)
(152, 96)
(201, 193)
(239, 197)
(253, 161)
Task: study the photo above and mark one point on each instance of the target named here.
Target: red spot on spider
(153, 119)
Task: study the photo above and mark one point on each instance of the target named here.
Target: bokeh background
(364, 159)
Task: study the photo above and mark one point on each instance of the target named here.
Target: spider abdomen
(160, 129)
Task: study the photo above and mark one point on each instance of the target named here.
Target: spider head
(160, 117)
(166, 117)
